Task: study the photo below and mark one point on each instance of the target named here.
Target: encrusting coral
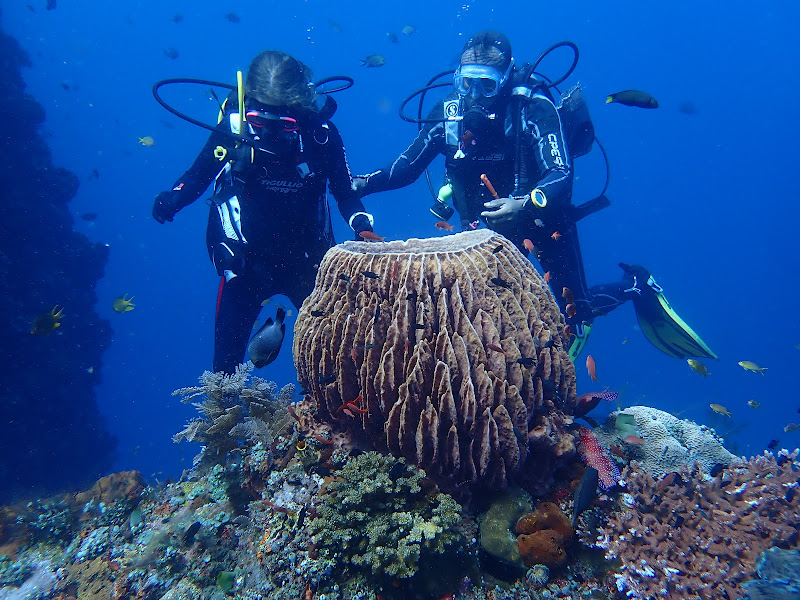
(448, 352)
(692, 537)
(234, 408)
(378, 516)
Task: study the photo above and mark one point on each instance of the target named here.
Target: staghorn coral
(450, 350)
(376, 517)
(669, 441)
(234, 408)
(688, 537)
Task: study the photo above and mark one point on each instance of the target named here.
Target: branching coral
(692, 537)
(234, 408)
(377, 517)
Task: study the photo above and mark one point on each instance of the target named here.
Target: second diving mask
(480, 80)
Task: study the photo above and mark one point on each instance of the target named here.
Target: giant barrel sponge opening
(447, 351)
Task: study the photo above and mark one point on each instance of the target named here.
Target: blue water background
(707, 201)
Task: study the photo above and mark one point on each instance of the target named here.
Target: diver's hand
(359, 185)
(503, 209)
(165, 206)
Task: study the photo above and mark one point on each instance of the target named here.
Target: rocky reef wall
(51, 432)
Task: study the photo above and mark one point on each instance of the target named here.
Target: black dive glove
(166, 205)
(360, 222)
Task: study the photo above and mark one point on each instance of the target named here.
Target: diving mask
(259, 120)
(480, 80)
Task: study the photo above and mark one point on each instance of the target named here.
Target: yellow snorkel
(240, 90)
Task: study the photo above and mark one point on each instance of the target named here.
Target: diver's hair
(490, 48)
(277, 79)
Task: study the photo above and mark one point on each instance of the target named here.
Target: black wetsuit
(269, 223)
(544, 163)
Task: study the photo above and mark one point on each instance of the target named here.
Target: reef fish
(753, 404)
(591, 367)
(719, 409)
(748, 365)
(697, 367)
(585, 493)
(443, 226)
(374, 60)
(586, 403)
(370, 236)
(122, 304)
(147, 140)
(633, 98)
(266, 343)
(595, 456)
(46, 323)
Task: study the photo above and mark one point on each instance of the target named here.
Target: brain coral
(669, 442)
(446, 351)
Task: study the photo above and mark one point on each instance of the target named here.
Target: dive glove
(361, 222)
(504, 210)
(166, 205)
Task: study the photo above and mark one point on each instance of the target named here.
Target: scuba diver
(272, 154)
(508, 150)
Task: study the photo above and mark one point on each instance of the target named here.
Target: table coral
(693, 537)
(449, 352)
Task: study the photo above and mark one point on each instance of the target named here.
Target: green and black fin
(659, 321)
(579, 342)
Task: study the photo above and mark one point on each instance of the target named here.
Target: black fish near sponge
(585, 493)
(636, 98)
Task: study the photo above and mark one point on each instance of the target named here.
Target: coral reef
(234, 408)
(448, 352)
(377, 516)
(669, 442)
(52, 435)
(689, 536)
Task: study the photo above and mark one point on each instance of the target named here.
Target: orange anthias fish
(591, 367)
(634, 439)
(567, 295)
(495, 347)
(556, 236)
(443, 226)
(370, 236)
(547, 277)
(527, 244)
(571, 310)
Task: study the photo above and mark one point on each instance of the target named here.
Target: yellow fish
(123, 304)
(748, 365)
(47, 323)
(718, 408)
(147, 141)
(753, 404)
(698, 367)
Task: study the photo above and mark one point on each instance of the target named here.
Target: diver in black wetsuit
(270, 222)
(502, 122)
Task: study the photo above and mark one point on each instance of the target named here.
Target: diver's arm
(549, 152)
(340, 182)
(410, 164)
(204, 169)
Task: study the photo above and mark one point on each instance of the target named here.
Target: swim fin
(581, 336)
(659, 321)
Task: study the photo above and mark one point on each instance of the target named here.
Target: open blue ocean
(704, 189)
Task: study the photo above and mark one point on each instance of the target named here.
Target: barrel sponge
(396, 342)
(669, 442)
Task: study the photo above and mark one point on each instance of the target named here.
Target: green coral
(376, 517)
